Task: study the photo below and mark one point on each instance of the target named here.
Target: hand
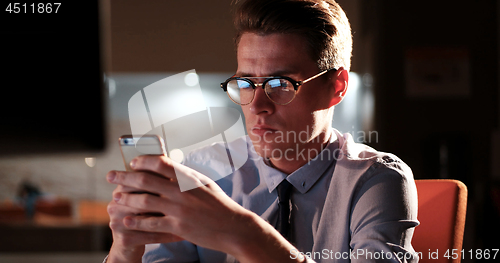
(205, 215)
(198, 215)
(128, 245)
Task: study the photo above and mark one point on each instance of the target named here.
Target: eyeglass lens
(280, 91)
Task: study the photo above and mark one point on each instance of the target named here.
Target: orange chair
(441, 211)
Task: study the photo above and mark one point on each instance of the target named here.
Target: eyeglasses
(280, 90)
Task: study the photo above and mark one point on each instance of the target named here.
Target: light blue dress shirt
(369, 198)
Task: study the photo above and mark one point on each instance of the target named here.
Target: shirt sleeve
(182, 251)
(384, 215)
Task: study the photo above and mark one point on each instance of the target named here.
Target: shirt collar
(306, 176)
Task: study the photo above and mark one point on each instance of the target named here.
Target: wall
(442, 136)
(174, 36)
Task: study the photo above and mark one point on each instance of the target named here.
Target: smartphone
(132, 147)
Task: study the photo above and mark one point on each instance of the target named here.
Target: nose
(261, 104)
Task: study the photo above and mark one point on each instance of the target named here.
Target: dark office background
(442, 136)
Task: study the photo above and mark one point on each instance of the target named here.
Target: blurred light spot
(90, 161)
(191, 79)
(176, 155)
(367, 80)
(111, 87)
(350, 103)
(354, 82)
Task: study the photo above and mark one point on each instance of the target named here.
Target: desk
(95, 257)
(31, 237)
(89, 232)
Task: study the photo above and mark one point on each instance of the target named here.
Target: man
(348, 202)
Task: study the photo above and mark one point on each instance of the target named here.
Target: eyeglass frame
(295, 84)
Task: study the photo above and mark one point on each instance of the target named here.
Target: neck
(302, 154)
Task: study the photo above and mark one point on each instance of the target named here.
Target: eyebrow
(273, 74)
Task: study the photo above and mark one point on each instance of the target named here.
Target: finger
(117, 212)
(125, 189)
(149, 224)
(169, 169)
(161, 165)
(145, 202)
(143, 181)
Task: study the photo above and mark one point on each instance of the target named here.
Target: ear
(340, 83)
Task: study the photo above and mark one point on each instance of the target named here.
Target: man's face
(278, 131)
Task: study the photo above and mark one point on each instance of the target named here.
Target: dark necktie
(283, 225)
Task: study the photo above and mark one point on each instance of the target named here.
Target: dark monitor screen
(52, 97)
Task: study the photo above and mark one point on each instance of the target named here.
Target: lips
(261, 130)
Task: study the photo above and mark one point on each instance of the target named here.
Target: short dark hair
(322, 23)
